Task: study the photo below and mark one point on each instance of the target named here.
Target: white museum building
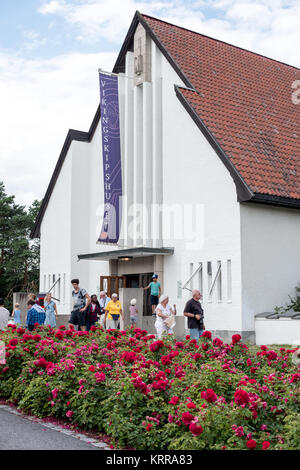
(210, 186)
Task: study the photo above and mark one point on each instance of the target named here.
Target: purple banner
(111, 151)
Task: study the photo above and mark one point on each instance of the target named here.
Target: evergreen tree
(19, 256)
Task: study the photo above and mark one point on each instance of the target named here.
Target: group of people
(88, 310)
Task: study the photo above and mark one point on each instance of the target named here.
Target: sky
(50, 52)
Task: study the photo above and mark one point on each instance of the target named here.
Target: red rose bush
(156, 394)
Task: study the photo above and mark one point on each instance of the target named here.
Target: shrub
(148, 394)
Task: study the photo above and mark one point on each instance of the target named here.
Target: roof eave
(276, 200)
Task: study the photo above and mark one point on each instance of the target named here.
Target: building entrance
(112, 284)
(141, 280)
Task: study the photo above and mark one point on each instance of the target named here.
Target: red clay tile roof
(245, 100)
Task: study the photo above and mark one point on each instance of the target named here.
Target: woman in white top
(164, 313)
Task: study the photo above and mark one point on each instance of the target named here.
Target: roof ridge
(220, 40)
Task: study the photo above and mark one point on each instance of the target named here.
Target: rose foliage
(156, 394)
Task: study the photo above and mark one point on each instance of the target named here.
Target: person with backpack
(81, 301)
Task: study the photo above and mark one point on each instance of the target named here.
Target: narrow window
(219, 282)
(209, 280)
(229, 281)
(200, 280)
(64, 289)
(191, 274)
(58, 287)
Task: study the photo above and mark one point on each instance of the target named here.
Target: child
(17, 314)
(133, 312)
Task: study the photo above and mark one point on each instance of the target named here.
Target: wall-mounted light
(125, 258)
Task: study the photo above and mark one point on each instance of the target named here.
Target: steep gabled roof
(242, 101)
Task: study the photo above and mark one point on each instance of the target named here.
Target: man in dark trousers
(81, 301)
(194, 312)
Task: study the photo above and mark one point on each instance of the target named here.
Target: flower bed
(156, 394)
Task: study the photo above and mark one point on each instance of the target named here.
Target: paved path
(22, 433)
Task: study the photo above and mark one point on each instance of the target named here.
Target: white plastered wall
(192, 173)
(270, 240)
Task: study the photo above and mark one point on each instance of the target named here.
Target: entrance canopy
(126, 254)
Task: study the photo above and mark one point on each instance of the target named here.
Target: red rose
(174, 400)
(265, 445)
(191, 405)
(187, 418)
(217, 342)
(100, 377)
(236, 339)
(251, 444)
(156, 345)
(209, 395)
(206, 334)
(195, 430)
(241, 397)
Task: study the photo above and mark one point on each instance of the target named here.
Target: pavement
(18, 432)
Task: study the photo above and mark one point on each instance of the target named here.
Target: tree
(19, 256)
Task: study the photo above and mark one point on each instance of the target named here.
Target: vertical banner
(111, 151)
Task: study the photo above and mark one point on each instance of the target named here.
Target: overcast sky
(50, 52)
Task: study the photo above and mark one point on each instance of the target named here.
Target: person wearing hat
(155, 292)
(165, 317)
(133, 310)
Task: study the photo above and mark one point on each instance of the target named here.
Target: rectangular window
(191, 286)
(219, 282)
(64, 289)
(229, 281)
(209, 280)
(200, 279)
(58, 287)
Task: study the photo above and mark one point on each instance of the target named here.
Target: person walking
(165, 320)
(4, 315)
(104, 299)
(35, 314)
(51, 311)
(194, 312)
(133, 310)
(113, 313)
(155, 292)
(17, 314)
(92, 312)
(81, 301)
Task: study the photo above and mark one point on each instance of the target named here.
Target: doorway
(141, 280)
(112, 284)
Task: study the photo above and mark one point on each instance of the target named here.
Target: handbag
(170, 321)
(115, 316)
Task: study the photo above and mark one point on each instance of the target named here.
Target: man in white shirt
(4, 315)
(104, 299)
